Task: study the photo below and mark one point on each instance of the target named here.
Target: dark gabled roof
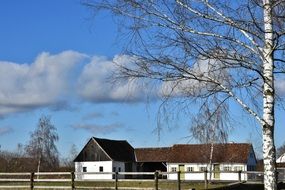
(117, 150)
(152, 154)
(200, 153)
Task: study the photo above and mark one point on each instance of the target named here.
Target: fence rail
(71, 180)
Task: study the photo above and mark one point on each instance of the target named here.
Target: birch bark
(270, 182)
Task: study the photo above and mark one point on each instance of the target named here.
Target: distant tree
(42, 145)
(68, 162)
(280, 150)
(20, 150)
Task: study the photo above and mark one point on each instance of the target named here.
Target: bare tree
(73, 152)
(196, 49)
(42, 145)
(280, 150)
(210, 126)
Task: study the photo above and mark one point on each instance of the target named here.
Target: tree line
(40, 153)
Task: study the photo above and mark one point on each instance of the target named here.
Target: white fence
(71, 180)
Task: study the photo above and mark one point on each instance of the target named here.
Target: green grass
(147, 184)
(163, 185)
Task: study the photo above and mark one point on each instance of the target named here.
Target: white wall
(199, 175)
(95, 167)
(233, 168)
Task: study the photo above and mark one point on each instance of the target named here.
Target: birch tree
(42, 145)
(211, 126)
(196, 49)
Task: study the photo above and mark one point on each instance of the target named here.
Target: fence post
(156, 180)
(206, 179)
(72, 181)
(116, 180)
(178, 180)
(239, 176)
(32, 180)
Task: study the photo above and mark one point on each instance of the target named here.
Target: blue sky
(54, 59)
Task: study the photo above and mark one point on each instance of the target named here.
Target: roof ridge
(144, 148)
(210, 144)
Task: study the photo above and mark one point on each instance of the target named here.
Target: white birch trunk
(211, 159)
(39, 165)
(269, 157)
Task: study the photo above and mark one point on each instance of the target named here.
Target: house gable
(251, 158)
(106, 150)
(281, 159)
(92, 151)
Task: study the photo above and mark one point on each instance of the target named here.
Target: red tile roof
(152, 154)
(200, 153)
(196, 153)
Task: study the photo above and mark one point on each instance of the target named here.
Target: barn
(102, 156)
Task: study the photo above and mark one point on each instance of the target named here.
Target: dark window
(119, 169)
(114, 169)
(84, 169)
(101, 169)
(190, 169)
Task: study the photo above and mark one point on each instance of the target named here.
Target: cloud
(94, 83)
(63, 106)
(94, 115)
(99, 129)
(53, 81)
(42, 83)
(280, 87)
(186, 87)
(5, 130)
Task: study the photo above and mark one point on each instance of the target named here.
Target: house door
(217, 171)
(182, 172)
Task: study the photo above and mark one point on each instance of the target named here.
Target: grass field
(104, 185)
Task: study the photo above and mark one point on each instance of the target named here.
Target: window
(101, 169)
(173, 169)
(190, 169)
(227, 168)
(119, 169)
(203, 168)
(84, 169)
(114, 169)
(238, 168)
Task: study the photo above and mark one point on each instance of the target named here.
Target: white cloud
(99, 129)
(53, 79)
(95, 82)
(280, 87)
(191, 87)
(41, 83)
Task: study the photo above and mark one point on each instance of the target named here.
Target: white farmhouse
(195, 158)
(100, 156)
(104, 155)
